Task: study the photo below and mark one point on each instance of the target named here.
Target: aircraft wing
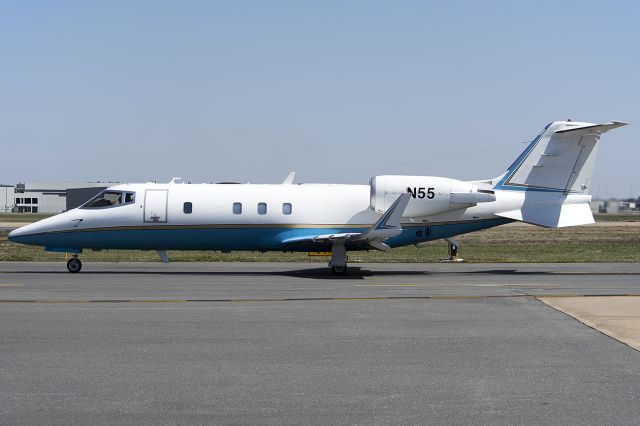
(386, 227)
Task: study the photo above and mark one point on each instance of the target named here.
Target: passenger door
(155, 205)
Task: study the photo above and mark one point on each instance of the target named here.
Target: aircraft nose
(37, 233)
(16, 234)
(25, 234)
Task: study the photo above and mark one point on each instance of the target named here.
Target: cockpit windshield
(110, 199)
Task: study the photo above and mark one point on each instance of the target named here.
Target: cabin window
(286, 208)
(262, 208)
(237, 208)
(129, 197)
(187, 208)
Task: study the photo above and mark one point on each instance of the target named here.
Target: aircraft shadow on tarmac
(312, 273)
(353, 273)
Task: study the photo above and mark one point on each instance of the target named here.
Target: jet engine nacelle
(429, 194)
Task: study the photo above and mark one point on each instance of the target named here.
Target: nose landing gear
(74, 265)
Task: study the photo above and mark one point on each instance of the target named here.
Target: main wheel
(74, 265)
(339, 270)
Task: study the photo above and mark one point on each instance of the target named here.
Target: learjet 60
(547, 185)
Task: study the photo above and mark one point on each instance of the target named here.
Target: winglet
(289, 179)
(391, 218)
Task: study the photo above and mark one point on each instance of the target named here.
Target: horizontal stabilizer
(557, 216)
(588, 129)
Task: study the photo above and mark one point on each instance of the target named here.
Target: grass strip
(511, 243)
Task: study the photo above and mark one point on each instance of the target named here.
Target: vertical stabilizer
(550, 181)
(560, 159)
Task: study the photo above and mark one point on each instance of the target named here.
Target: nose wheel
(74, 265)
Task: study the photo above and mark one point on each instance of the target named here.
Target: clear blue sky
(337, 90)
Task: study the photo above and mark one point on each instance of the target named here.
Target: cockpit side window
(110, 199)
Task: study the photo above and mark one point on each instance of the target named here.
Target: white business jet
(547, 185)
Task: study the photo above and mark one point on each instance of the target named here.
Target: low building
(47, 197)
(7, 198)
(628, 206)
(612, 206)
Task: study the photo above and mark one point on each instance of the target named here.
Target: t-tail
(550, 182)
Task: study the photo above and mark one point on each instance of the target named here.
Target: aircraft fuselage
(202, 217)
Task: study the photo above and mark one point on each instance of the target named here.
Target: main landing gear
(338, 261)
(453, 252)
(74, 265)
(339, 270)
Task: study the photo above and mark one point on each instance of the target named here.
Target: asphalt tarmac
(282, 343)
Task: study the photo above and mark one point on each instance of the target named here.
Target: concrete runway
(283, 343)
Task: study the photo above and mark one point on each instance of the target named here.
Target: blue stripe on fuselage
(241, 238)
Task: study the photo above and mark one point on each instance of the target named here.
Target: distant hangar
(47, 197)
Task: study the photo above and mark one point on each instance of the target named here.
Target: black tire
(339, 270)
(74, 265)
